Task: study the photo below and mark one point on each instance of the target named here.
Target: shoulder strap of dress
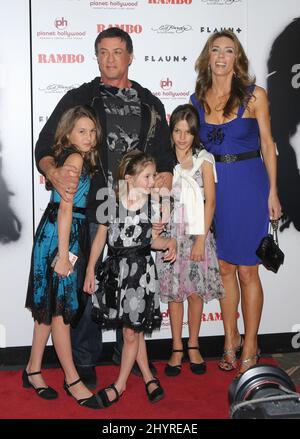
(66, 152)
(198, 106)
(242, 108)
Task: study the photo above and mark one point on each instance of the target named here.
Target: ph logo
(166, 84)
(60, 23)
(2, 336)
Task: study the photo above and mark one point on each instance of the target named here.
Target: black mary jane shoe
(43, 392)
(173, 371)
(156, 394)
(197, 368)
(92, 402)
(104, 397)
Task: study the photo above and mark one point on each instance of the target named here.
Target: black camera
(264, 392)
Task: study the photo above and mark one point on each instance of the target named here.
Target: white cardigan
(192, 196)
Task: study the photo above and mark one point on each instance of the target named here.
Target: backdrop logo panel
(60, 58)
(60, 23)
(206, 318)
(165, 58)
(221, 2)
(129, 28)
(168, 91)
(172, 29)
(170, 2)
(114, 5)
(64, 31)
(166, 84)
(57, 88)
(212, 29)
(43, 118)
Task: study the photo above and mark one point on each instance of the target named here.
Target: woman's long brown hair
(240, 81)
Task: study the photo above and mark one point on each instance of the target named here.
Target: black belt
(129, 252)
(231, 158)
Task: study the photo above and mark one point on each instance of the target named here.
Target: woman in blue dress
(235, 128)
(55, 283)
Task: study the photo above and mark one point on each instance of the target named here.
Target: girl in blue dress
(55, 283)
(235, 128)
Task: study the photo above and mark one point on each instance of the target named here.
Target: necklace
(219, 109)
(220, 101)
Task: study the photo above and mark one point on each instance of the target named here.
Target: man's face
(113, 60)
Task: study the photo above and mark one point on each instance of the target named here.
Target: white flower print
(114, 233)
(134, 269)
(123, 294)
(124, 268)
(148, 280)
(134, 304)
(131, 231)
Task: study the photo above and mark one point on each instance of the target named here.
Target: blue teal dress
(241, 216)
(47, 294)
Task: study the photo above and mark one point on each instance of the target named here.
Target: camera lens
(260, 381)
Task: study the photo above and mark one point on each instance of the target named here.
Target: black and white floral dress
(127, 292)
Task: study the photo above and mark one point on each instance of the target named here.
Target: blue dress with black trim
(47, 294)
(241, 216)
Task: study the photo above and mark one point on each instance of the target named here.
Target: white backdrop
(167, 36)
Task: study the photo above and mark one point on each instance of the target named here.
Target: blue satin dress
(47, 294)
(241, 216)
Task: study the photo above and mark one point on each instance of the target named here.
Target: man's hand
(160, 181)
(64, 180)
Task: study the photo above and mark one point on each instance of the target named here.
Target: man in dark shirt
(131, 117)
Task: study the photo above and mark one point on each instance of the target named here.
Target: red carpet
(188, 396)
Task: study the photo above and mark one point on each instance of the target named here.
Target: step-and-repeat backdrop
(48, 49)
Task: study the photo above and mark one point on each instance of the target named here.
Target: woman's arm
(261, 111)
(97, 247)
(209, 194)
(64, 220)
(197, 252)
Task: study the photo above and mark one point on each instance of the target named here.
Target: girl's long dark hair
(188, 113)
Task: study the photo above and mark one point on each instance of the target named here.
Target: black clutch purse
(268, 250)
